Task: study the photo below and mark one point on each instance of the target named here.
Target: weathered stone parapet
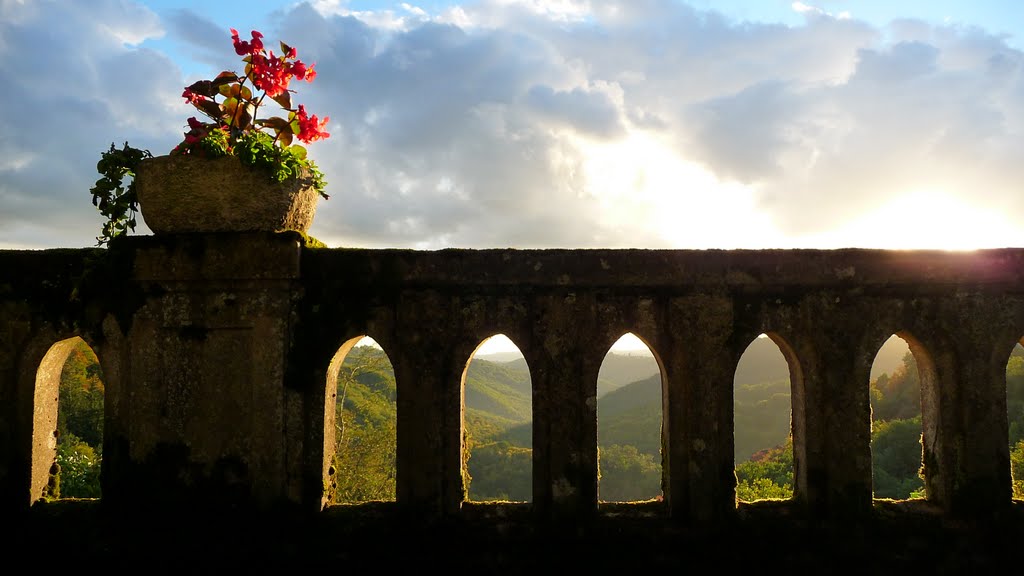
(218, 350)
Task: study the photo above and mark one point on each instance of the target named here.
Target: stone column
(978, 478)
(700, 362)
(831, 409)
(565, 406)
(429, 482)
(205, 418)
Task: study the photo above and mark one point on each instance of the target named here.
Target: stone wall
(216, 351)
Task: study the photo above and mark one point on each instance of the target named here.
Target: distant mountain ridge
(499, 413)
(498, 395)
(762, 361)
(617, 370)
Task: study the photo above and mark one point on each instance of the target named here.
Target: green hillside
(631, 416)
(498, 402)
(617, 370)
(499, 427)
(498, 392)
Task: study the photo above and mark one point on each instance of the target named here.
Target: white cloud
(530, 124)
(802, 8)
(77, 83)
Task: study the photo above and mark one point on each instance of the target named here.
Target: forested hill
(617, 370)
(762, 361)
(499, 389)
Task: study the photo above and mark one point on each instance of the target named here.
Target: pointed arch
(631, 431)
(67, 422)
(497, 423)
(360, 419)
(904, 414)
(766, 376)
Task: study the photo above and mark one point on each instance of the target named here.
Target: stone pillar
(975, 427)
(700, 363)
(429, 480)
(205, 418)
(831, 410)
(565, 407)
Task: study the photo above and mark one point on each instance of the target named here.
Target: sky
(564, 124)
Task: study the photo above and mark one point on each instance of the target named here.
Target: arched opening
(67, 429)
(897, 469)
(498, 423)
(1015, 417)
(364, 424)
(629, 423)
(762, 423)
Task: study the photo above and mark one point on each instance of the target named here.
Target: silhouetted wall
(217, 350)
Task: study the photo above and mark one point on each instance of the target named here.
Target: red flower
(191, 97)
(303, 72)
(197, 131)
(245, 48)
(236, 114)
(310, 127)
(270, 74)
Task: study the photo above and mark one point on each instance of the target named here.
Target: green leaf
(117, 202)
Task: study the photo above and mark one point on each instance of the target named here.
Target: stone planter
(184, 194)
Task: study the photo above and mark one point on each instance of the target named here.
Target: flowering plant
(232, 128)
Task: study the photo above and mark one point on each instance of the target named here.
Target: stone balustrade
(217, 351)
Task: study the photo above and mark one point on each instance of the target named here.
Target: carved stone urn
(185, 194)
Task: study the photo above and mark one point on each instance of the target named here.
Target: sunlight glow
(927, 220)
(628, 344)
(640, 178)
(499, 343)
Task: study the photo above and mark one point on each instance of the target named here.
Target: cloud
(477, 126)
(204, 39)
(586, 111)
(74, 80)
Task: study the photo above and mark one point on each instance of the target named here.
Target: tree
(79, 466)
(80, 425)
(500, 471)
(1017, 468)
(1015, 398)
(897, 396)
(896, 458)
(767, 475)
(365, 464)
(627, 475)
(365, 420)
